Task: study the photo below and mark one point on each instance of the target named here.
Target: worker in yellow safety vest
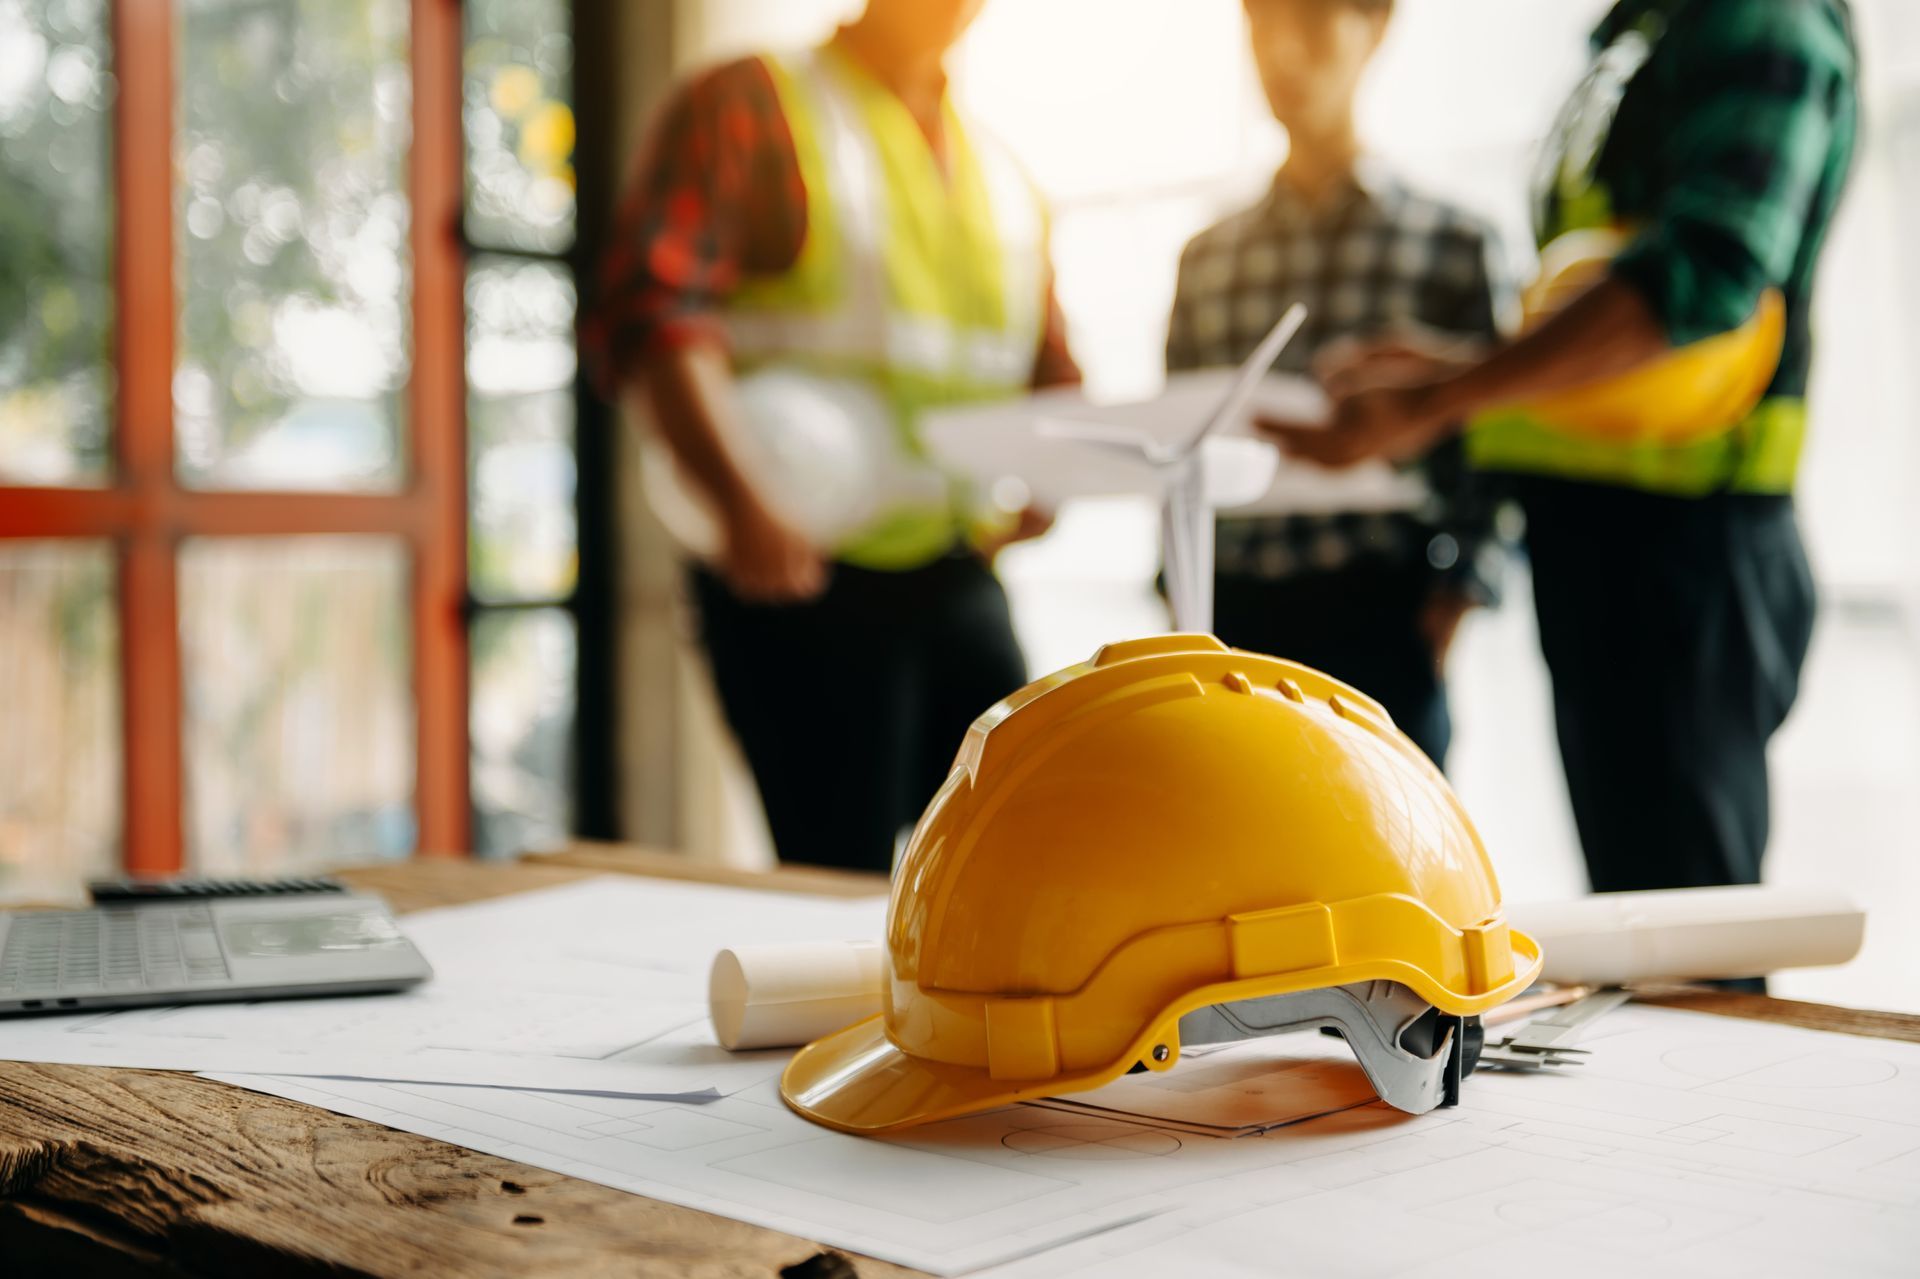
(1652, 415)
(817, 250)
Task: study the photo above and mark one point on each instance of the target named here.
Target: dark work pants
(1359, 625)
(850, 708)
(1674, 629)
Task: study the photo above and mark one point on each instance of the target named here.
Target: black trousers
(850, 707)
(1360, 625)
(1675, 630)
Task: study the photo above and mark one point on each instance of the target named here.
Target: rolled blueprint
(785, 996)
(1682, 933)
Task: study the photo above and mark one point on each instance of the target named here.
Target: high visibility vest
(1759, 453)
(928, 285)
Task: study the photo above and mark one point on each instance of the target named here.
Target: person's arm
(1605, 331)
(717, 196)
(687, 390)
(1055, 365)
(1744, 161)
(1743, 157)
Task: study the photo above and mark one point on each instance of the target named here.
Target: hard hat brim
(856, 1081)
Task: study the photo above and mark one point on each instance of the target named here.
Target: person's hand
(1439, 622)
(1349, 365)
(766, 560)
(1391, 422)
(1031, 522)
(1385, 400)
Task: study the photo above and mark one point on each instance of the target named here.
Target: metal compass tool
(1548, 1041)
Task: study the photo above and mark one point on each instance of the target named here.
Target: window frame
(147, 513)
(592, 604)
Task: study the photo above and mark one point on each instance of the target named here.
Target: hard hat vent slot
(1156, 646)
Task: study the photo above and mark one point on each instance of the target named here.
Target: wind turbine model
(1189, 495)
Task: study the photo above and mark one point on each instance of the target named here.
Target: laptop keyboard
(89, 951)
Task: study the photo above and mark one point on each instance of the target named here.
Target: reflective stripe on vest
(929, 286)
(1758, 455)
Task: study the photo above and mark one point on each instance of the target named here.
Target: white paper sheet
(1031, 439)
(971, 1203)
(1689, 1146)
(599, 985)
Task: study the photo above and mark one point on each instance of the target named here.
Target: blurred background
(314, 549)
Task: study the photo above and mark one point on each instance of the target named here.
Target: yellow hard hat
(1173, 839)
(1698, 391)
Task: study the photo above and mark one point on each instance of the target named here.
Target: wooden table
(118, 1172)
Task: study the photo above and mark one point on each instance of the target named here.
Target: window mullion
(143, 44)
(438, 432)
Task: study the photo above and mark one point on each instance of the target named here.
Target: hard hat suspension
(1414, 1054)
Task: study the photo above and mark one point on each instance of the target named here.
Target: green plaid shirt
(1723, 131)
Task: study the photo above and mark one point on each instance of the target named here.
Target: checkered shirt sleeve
(1753, 133)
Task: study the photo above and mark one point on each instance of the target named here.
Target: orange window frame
(147, 513)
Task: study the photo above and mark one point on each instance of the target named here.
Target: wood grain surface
(133, 1172)
(1790, 1012)
(627, 860)
(129, 1172)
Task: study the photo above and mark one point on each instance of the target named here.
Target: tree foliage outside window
(291, 220)
(291, 131)
(523, 548)
(56, 211)
(519, 125)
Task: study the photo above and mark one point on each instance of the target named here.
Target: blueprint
(1690, 1145)
(599, 985)
(1034, 439)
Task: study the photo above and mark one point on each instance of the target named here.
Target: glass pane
(522, 729)
(519, 124)
(56, 253)
(291, 234)
(60, 740)
(299, 707)
(520, 414)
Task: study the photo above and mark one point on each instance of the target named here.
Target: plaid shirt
(718, 198)
(1724, 129)
(1377, 258)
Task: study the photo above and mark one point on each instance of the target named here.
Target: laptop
(126, 955)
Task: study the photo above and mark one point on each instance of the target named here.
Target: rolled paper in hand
(786, 996)
(1691, 933)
